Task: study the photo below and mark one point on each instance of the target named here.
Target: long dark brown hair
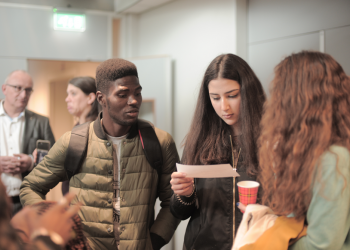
(208, 139)
(87, 84)
(309, 110)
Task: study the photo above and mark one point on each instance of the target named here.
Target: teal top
(328, 215)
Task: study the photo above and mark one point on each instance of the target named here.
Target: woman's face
(225, 96)
(77, 101)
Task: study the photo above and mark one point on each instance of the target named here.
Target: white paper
(207, 171)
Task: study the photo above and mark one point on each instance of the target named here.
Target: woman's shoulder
(338, 154)
(336, 160)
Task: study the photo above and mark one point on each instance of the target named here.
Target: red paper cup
(248, 191)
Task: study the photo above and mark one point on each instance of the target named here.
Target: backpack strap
(151, 146)
(77, 149)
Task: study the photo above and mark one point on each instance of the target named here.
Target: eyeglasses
(19, 89)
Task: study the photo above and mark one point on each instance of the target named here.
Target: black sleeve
(183, 210)
(157, 241)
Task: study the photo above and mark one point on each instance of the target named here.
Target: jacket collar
(28, 129)
(100, 133)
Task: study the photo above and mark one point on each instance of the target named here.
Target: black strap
(151, 146)
(77, 149)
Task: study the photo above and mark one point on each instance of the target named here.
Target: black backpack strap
(77, 149)
(151, 146)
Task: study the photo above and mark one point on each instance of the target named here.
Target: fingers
(179, 187)
(177, 178)
(180, 184)
(23, 161)
(21, 158)
(178, 175)
(18, 156)
(11, 169)
(35, 155)
(63, 205)
(67, 198)
(6, 158)
(73, 210)
(241, 206)
(10, 164)
(184, 191)
(18, 159)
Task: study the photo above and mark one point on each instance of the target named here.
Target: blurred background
(171, 42)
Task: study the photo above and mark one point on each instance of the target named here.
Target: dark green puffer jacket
(94, 189)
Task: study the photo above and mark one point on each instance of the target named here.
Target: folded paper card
(207, 171)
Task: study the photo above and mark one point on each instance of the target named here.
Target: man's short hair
(111, 70)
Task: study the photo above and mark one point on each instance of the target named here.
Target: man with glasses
(19, 131)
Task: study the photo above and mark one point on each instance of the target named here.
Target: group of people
(296, 144)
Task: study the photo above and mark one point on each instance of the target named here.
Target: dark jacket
(37, 127)
(211, 225)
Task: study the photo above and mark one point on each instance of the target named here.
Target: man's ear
(3, 88)
(101, 98)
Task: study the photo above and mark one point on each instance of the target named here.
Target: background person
(81, 103)
(305, 142)
(230, 102)
(19, 130)
(81, 99)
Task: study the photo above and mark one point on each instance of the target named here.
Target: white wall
(278, 28)
(26, 32)
(193, 33)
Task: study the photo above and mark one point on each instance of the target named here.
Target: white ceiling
(101, 5)
(144, 5)
(126, 6)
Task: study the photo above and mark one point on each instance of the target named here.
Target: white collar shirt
(11, 136)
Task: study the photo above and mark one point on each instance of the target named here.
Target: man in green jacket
(115, 184)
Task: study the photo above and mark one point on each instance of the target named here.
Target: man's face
(13, 97)
(123, 101)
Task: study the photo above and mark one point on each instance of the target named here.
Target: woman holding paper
(305, 166)
(224, 129)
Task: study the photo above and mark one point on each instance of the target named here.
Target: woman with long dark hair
(81, 99)
(229, 106)
(304, 150)
(81, 103)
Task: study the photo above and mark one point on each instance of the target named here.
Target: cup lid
(248, 184)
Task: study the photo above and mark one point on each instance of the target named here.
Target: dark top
(211, 224)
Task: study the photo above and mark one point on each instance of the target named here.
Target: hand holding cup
(248, 192)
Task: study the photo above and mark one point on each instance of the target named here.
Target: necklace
(234, 153)
(234, 164)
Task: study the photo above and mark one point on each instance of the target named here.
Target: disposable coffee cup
(248, 192)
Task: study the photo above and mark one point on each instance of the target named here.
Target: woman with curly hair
(304, 150)
(229, 105)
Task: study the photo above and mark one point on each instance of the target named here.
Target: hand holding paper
(207, 171)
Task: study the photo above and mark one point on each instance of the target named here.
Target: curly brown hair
(309, 110)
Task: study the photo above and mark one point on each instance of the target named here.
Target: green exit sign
(71, 22)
